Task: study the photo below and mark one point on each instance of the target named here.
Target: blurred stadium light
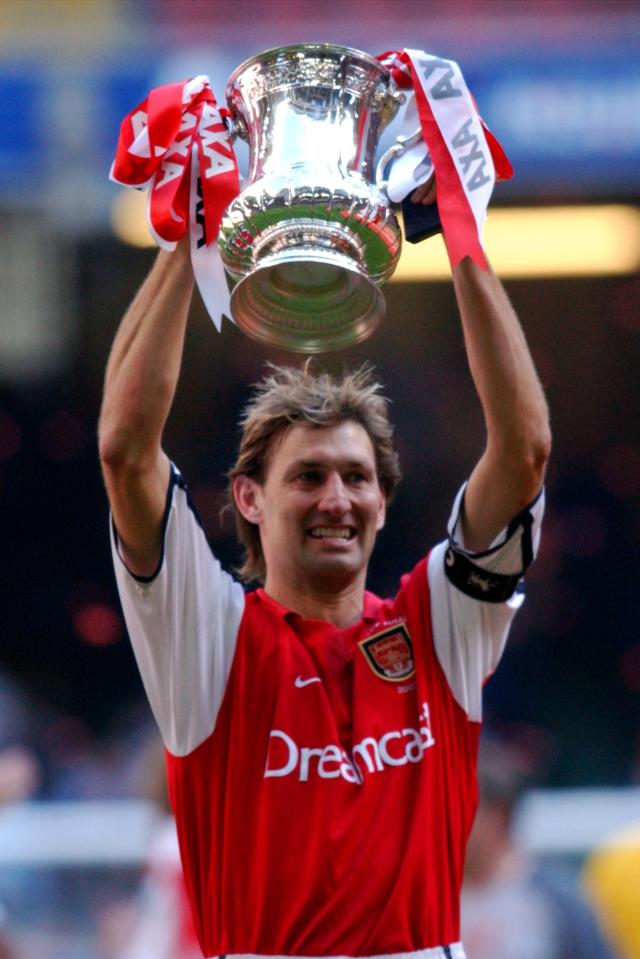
(522, 242)
(541, 242)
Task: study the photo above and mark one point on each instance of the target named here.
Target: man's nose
(334, 497)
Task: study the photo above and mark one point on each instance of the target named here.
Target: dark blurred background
(559, 82)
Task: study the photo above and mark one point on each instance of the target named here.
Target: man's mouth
(332, 532)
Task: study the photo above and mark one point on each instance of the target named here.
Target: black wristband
(420, 222)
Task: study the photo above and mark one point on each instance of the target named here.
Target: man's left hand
(425, 193)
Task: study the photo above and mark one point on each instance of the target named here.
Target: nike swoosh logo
(301, 683)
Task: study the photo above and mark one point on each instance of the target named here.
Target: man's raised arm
(511, 470)
(140, 383)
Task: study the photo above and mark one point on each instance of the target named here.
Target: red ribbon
(155, 149)
(459, 226)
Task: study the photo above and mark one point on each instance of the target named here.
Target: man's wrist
(183, 248)
(179, 259)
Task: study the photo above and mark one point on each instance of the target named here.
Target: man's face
(320, 506)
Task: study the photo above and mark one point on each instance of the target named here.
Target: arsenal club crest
(390, 654)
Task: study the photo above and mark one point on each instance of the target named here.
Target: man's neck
(342, 607)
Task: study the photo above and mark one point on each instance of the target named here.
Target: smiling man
(321, 742)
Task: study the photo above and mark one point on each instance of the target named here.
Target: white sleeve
(470, 633)
(183, 624)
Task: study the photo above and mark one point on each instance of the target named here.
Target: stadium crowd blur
(73, 720)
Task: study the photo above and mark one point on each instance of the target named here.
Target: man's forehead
(347, 441)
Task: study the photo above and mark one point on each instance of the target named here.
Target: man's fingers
(425, 193)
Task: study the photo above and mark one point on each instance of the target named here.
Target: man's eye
(356, 477)
(310, 476)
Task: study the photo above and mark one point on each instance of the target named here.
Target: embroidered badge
(390, 654)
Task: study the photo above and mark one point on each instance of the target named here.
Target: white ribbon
(414, 166)
(206, 260)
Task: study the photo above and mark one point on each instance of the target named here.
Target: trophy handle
(401, 145)
(233, 127)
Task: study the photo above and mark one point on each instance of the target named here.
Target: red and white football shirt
(322, 779)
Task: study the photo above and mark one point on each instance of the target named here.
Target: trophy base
(306, 301)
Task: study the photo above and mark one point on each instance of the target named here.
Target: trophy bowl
(311, 236)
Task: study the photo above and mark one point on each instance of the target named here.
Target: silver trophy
(310, 238)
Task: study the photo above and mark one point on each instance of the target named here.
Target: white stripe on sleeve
(183, 624)
(469, 635)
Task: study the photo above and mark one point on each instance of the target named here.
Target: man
(321, 742)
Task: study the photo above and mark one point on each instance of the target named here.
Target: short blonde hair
(288, 396)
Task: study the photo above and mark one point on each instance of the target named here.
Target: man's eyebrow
(306, 464)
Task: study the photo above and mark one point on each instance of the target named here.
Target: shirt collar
(371, 607)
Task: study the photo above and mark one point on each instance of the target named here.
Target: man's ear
(246, 493)
(382, 511)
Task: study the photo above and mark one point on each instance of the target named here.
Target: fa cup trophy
(310, 238)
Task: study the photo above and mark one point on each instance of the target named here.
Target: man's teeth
(331, 532)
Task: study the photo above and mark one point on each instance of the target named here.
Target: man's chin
(337, 569)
